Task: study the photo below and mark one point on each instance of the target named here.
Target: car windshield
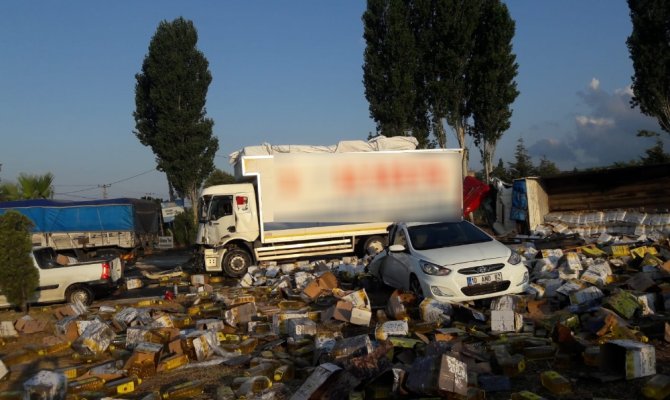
(445, 234)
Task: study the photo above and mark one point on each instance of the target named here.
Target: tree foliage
(649, 48)
(655, 155)
(18, 276)
(424, 73)
(523, 164)
(27, 187)
(390, 70)
(492, 71)
(170, 114)
(219, 177)
(546, 167)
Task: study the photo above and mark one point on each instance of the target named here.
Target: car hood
(475, 252)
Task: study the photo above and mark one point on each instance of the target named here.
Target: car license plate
(481, 279)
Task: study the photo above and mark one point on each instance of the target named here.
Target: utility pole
(104, 190)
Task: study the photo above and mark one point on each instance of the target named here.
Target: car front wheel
(415, 286)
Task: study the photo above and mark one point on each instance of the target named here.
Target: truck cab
(228, 219)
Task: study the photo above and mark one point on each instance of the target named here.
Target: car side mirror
(396, 248)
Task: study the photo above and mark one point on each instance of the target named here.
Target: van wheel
(79, 293)
(372, 245)
(415, 286)
(236, 262)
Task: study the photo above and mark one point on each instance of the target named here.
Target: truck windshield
(203, 207)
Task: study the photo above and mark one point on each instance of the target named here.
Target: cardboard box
(199, 279)
(298, 328)
(506, 321)
(453, 376)
(27, 325)
(62, 260)
(628, 357)
(134, 283)
(324, 283)
(312, 386)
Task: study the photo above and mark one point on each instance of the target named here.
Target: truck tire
(107, 253)
(236, 262)
(372, 245)
(79, 292)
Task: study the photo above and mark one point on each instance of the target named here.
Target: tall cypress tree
(389, 70)
(491, 82)
(170, 114)
(649, 47)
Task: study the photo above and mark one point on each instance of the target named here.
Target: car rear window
(445, 234)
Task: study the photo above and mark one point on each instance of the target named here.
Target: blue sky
(283, 73)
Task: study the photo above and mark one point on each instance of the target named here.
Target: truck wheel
(79, 292)
(236, 262)
(373, 245)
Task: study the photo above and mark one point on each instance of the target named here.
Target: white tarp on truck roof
(378, 143)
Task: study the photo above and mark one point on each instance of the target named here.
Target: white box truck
(297, 202)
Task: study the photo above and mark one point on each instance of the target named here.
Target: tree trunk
(170, 190)
(193, 197)
(460, 135)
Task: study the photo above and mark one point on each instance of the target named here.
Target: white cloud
(595, 84)
(604, 131)
(583, 120)
(627, 91)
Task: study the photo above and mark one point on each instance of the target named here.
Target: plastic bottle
(123, 385)
(184, 390)
(284, 373)
(91, 383)
(658, 387)
(254, 384)
(526, 395)
(555, 383)
(263, 369)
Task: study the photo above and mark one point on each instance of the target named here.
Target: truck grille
(481, 269)
(485, 288)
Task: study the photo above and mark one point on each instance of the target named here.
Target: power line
(103, 186)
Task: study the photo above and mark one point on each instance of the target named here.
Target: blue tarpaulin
(88, 216)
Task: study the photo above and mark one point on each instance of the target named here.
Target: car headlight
(433, 269)
(514, 258)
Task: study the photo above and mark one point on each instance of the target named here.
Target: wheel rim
(374, 247)
(238, 263)
(80, 296)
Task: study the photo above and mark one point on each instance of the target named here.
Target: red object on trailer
(474, 191)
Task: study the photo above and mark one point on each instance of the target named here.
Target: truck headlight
(514, 258)
(433, 269)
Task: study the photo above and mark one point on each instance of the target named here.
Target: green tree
(170, 113)
(19, 278)
(649, 48)
(36, 186)
(656, 155)
(547, 167)
(500, 172)
(522, 165)
(491, 71)
(9, 191)
(389, 70)
(185, 229)
(219, 177)
(445, 31)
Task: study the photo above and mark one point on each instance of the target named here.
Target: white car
(449, 261)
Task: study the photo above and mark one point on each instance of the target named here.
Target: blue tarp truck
(84, 229)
